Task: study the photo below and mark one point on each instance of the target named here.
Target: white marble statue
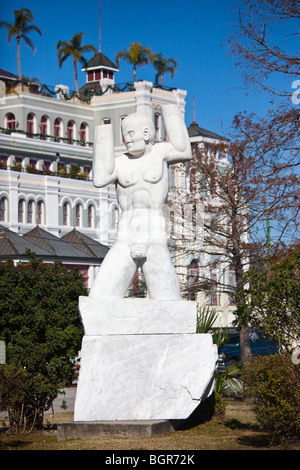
(141, 177)
(141, 359)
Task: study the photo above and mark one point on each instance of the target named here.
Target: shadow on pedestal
(136, 429)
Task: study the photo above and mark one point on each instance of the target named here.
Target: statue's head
(138, 132)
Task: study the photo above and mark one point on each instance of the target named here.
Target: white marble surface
(141, 359)
(141, 178)
(138, 377)
(137, 316)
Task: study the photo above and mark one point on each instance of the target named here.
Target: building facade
(204, 267)
(46, 152)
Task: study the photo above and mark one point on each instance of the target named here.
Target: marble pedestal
(142, 360)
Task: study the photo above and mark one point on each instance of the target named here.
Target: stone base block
(113, 429)
(143, 377)
(137, 316)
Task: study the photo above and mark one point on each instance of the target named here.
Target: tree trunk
(134, 74)
(19, 57)
(162, 80)
(245, 345)
(239, 275)
(75, 76)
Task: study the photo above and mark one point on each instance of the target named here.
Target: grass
(237, 431)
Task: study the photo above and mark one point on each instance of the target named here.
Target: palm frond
(28, 42)
(205, 319)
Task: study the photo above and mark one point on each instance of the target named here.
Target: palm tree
(21, 27)
(73, 48)
(137, 55)
(163, 65)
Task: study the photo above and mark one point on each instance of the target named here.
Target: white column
(143, 96)
(181, 94)
(52, 209)
(13, 190)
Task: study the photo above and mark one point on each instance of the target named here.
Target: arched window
(106, 121)
(39, 212)
(66, 213)
(83, 134)
(78, 215)
(214, 295)
(10, 121)
(71, 132)
(193, 271)
(44, 127)
(30, 125)
(91, 216)
(21, 207)
(57, 129)
(114, 218)
(30, 211)
(172, 224)
(3, 209)
(157, 125)
(193, 277)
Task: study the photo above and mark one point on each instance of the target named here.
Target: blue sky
(195, 35)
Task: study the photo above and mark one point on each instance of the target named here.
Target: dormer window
(108, 74)
(97, 74)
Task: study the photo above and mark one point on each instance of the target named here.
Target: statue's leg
(160, 275)
(115, 274)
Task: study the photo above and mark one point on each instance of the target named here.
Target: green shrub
(25, 396)
(41, 327)
(272, 382)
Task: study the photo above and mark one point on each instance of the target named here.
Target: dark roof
(195, 131)
(86, 244)
(100, 60)
(73, 246)
(89, 86)
(8, 75)
(53, 244)
(12, 244)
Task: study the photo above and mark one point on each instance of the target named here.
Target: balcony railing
(46, 137)
(62, 172)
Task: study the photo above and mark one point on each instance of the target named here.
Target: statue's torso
(142, 182)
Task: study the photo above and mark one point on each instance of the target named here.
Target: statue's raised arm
(104, 170)
(178, 138)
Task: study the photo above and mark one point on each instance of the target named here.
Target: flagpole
(99, 25)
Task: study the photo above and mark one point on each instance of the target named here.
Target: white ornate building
(46, 147)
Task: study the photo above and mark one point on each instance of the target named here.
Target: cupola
(100, 72)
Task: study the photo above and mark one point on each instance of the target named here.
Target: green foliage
(74, 172)
(74, 48)
(205, 319)
(22, 26)
(273, 305)
(163, 65)
(137, 55)
(273, 382)
(230, 377)
(40, 324)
